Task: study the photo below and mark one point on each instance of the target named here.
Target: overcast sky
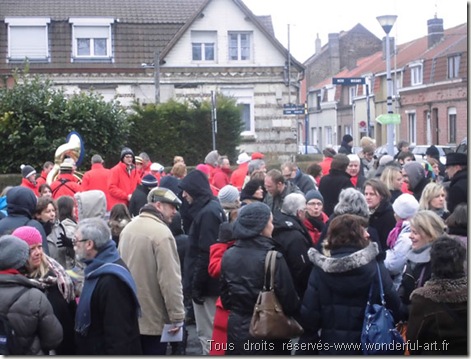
(307, 18)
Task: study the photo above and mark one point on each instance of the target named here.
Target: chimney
(391, 46)
(435, 31)
(318, 44)
(334, 52)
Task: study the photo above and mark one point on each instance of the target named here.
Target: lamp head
(387, 22)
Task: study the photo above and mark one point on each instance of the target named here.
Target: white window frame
(249, 34)
(245, 96)
(454, 66)
(416, 74)
(412, 126)
(452, 129)
(80, 24)
(36, 42)
(204, 39)
(352, 90)
(328, 133)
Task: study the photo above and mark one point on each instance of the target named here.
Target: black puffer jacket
(292, 239)
(31, 316)
(207, 214)
(242, 277)
(383, 221)
(337, 292)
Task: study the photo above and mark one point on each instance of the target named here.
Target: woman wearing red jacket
(216, 251)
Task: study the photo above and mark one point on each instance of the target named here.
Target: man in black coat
(332, 184)
(346, 145)
(139, 196)
(293, 240)
(206, 214)
(106, 321)
(457, 171)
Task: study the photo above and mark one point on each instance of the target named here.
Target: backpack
(9, 344)
(379, 335)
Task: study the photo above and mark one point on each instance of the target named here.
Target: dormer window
(416, 74)
(91, 39)
(28, 38)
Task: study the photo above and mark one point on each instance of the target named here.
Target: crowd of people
(120, 261)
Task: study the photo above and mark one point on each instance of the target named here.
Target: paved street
(193, 345)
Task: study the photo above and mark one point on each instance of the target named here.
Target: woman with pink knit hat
(49, 275)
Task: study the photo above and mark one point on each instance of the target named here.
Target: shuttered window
(28, 38)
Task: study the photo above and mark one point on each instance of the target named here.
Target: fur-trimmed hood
(444, 290)
(339, 264)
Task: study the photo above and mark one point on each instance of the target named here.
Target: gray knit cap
(313, 194)
(212, 158)
(251, 220)
(14, 252)
(228, 194)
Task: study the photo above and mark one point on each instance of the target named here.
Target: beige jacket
(148, 248)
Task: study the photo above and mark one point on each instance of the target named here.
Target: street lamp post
(387, 22)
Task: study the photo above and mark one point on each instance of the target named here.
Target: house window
(203, 44)
(412, 127)
(239, 46)
(28, 38)
(91, 38)
(244, 97)
(245, 113)
(328, 135)
(416, 74)
(351, 94)
(453, 66)
(452, 125)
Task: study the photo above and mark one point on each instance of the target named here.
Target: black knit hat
(127, 151)
(250, 188)
(432, 151)
(149, 181)
(347, 138)
(251, 220)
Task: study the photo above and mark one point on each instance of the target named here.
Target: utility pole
(157, 76)
(289, 66)
(214, 118)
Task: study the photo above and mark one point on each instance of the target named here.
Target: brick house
(149, 50)
(429, 77)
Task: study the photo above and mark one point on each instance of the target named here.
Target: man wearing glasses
(106, 321)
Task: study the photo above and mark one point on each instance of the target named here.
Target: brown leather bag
(268, 319)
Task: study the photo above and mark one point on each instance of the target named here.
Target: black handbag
(268, 319)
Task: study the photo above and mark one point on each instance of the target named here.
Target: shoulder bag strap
(272, 269)
(381, 291)
(16, 297)
(267, 269)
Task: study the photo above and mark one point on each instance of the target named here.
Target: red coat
(27, 183)
(239, 174)
(98, 178)
(65, 185)
(216, 251)
(122, 184)
(325, 165)
(41, 179)
(221, 177)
